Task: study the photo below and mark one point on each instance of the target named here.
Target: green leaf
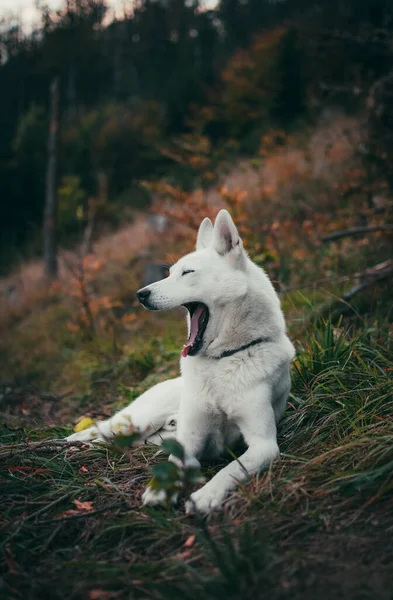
(123, 441)
(173, 447)
(165, 472)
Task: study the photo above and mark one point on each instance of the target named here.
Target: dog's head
(203, 281)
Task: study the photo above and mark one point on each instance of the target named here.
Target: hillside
(319, 523)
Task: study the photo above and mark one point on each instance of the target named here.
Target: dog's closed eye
(188, 271)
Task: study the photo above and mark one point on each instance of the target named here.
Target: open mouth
(199, 315)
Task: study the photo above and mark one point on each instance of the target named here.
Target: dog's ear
(205, 234)
(226, 236)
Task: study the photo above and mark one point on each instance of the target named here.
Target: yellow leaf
(84, 423)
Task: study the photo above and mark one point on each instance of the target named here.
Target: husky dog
(235, 366)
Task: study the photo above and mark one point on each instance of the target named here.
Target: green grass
(334, 482)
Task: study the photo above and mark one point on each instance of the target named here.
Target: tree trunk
(50, 245)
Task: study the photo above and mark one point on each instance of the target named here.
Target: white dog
(235, 366)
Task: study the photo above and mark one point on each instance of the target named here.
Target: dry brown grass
(25, 289)
(319, 155)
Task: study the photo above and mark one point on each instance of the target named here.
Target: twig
(372, 273)
(378, 272)
(365, 284)
(50, 539)
(336, 235)
(311, 284)
(373, 277)
(45, 446)
(84, 515)
(47, 506)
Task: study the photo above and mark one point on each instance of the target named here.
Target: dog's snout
(143, 295)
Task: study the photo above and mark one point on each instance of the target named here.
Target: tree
(50, 242)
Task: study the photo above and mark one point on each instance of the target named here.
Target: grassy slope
(319, 524)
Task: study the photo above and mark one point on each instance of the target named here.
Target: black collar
(226, 353)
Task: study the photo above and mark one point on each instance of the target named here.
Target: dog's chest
(220, 385)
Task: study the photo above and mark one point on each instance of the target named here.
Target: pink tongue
(194, 327)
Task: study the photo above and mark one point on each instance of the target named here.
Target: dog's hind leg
(151, 412)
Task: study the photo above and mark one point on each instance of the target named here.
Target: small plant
(174, 477)
(81, 289)
(93, 311)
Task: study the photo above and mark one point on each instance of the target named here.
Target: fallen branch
(368, 278)
(385, 274)
(352, 231)
(7, 451)
(314, 283)
(372, 273)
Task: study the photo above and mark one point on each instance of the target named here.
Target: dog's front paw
(151, 497)
(205, 500)
(91, 434)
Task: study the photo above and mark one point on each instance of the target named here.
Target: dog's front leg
(258, 427)
(192, 430)
(146, 415)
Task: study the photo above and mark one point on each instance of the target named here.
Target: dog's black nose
(143, 295)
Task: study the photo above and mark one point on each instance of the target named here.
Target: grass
(72, 525)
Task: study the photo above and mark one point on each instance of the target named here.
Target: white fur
(217, 401)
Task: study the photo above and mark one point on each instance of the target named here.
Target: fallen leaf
(83, 506)
(84, 423)
(190, 541)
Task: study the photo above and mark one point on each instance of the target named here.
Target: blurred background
(124, 123)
